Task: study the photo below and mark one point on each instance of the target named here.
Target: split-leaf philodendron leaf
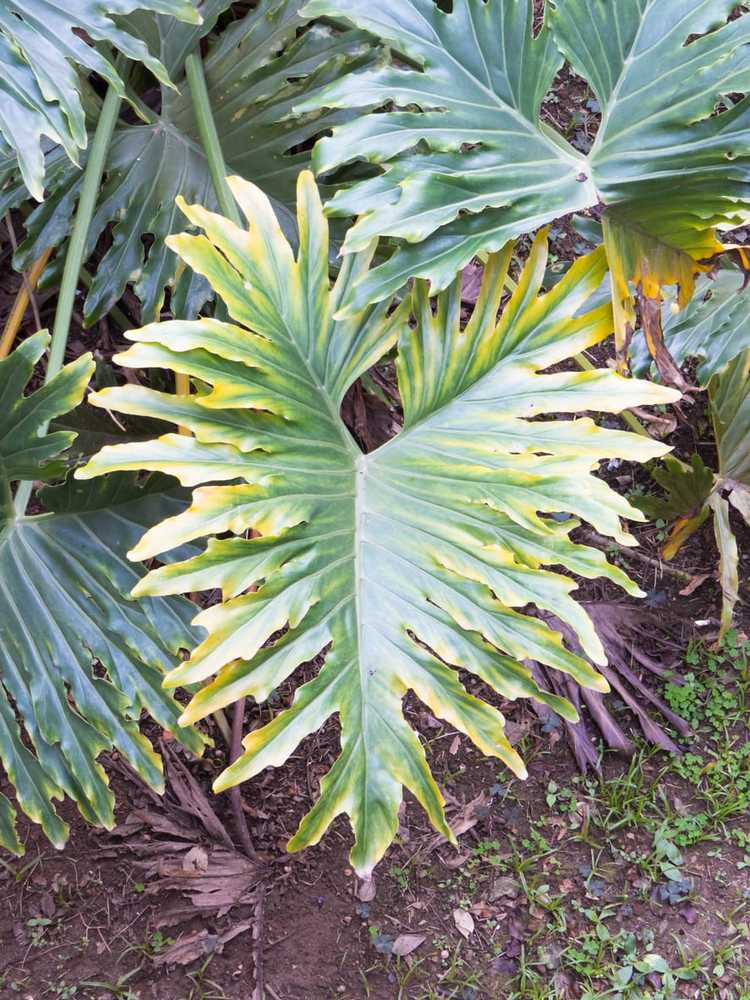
(396, 566)
(41, 52)
(467, 161)
(65, 612)
(257, 70)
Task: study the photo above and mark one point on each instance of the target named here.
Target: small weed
(203, 988)
(39, 927)
(118, 990)
(400, 876)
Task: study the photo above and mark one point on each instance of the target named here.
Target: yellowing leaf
(405, 944)
(393, 567)
(641, 264)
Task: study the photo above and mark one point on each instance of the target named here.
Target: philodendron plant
(397, 567)
(463, 158)
(79, 660)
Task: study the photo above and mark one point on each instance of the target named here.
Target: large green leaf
(395, 565)
(729, 393)
(41, 52)
(467, 163)
(79, 660)
(257, 70)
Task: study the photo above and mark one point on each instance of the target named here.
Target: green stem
(76, 247)
(218, 169)
(210, 137)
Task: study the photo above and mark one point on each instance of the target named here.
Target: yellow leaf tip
(222, 783)
(601, 684)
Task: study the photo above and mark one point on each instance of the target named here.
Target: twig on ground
(235, 794)
(594, 539)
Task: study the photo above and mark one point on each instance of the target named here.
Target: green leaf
(395, 566)
(729, 561)
(467, 163)
(730, 405)
(687, 489)
(256, 71)
(79, 660)
(714, 329)
(26, 451)
(41, 54)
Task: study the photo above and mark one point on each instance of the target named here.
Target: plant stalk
(217, 168)
(76, 247)
(14, 244)
(21, 304)
(210, 137)
(6, 503)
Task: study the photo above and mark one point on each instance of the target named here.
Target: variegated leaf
(396, 566)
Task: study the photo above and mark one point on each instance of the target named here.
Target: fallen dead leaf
(456, 861)
(504, 886)
(198, 944)
(196, 859)
(659, 426)
(465, 818)
(471, 282)
(515, 731)
(405, 944)
(189, 947)
(464, 922)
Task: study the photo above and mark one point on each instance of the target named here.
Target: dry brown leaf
(504, 886)
(660, 426)
(405, 944)
(199, 944)
(515, 731)
(456, 861)
(189, 947)
(196, 859)
(471, 282)
(464, 922)
(467, 817)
